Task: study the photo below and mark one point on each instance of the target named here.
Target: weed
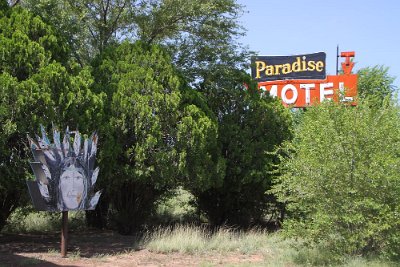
(75, 254)
(53, 251)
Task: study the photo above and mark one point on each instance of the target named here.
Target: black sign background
(279, 60)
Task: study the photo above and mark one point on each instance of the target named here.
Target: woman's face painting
(72, 187)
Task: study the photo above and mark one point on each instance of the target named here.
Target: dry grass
(274, 250)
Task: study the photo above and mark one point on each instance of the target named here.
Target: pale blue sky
(288, 27)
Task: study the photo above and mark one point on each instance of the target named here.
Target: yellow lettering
(260, 66)
(311, 65)
(319, 66)
(270, 70)
(299, 65)
(296, 65)
(286, 68)
(303, 65)
(277, 67)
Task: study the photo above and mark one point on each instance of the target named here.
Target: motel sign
(299, 81)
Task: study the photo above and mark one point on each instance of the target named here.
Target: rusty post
(64, 234)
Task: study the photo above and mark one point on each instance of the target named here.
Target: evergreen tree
(200, 35)
(38, 85)
(156, 137)
(250, 128)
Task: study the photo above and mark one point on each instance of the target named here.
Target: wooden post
(64, 234)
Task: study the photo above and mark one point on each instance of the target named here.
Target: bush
(341, 183)
(177, 208)
(25, 220)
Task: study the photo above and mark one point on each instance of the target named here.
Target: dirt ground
(102, 249)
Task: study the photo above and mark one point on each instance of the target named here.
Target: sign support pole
(337, 59)
(64, 234)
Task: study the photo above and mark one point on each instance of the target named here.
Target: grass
(275, 250)
(75, 255)
(53, 251)
(199, 241)
(181, 239)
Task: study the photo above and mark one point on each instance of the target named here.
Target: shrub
(341, 179)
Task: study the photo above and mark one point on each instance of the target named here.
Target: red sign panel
(303, 93)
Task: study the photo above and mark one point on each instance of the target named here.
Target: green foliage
(250, 128)
(20, 57)
(25, 220)
(138, 154)
(155, 139)
(200, 165)
(158, 133)
(37, 86)
(177, 208)
(27, 44)
(3, 5)
(375, 84)
(200, 35)
(341, 183)
(88, 26)
(144, 112)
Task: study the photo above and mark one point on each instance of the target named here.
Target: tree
(200, 35)
(38, 85)
(375, 84)
(200, 38)
(250, 128)
(200, 165)
(340, 181)
(155, 132)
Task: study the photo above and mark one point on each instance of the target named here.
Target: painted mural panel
(65, 172)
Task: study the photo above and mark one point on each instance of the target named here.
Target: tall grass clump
(185, 239)
(198, 239)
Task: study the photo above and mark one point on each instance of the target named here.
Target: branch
(16, 2)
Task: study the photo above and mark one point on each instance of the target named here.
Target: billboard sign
(273, 68)
(300, 80)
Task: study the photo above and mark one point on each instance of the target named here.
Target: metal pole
(64, 234)
(337, 59)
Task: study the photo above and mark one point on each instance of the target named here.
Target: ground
(106, 248)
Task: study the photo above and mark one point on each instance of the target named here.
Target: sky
(290, 27)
